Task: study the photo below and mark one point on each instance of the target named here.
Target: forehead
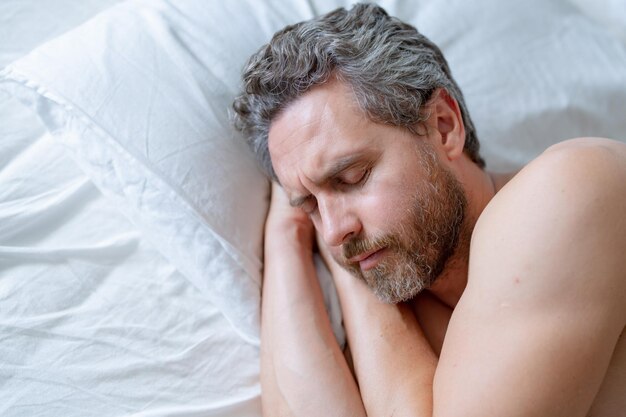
(322, 126)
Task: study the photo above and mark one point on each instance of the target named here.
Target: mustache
(357, 246)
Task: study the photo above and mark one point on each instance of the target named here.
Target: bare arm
(535, 330)
(534, 333)
(303, 371)
(393, 360)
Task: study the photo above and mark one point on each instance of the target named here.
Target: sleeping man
(464, 293)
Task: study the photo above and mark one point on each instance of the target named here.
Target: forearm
(303, 369)
(393, 361)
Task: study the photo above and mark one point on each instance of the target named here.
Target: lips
(369, 259)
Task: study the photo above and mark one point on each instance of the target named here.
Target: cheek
(385, 206)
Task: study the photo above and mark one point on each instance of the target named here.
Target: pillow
(533, 73)
(140, 96)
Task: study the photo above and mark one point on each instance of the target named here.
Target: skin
(523, 321)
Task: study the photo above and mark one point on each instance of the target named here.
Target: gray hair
(392, 69)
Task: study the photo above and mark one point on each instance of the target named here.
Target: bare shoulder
(588, 165)
(536, 329)
(562, 216)
(600, 158)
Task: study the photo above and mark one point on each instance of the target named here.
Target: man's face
(387, 208)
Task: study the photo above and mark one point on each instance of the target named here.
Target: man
(464, 293)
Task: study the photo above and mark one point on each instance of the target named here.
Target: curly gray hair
(391, 67)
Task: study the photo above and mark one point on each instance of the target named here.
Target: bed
(131, 213)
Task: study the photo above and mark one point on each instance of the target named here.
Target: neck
(480, 187)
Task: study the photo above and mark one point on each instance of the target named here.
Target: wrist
(289, 234)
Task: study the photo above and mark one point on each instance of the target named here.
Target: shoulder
(588, 160)
(544, 303)
(571, 179)
(576, 168)
(557, 226)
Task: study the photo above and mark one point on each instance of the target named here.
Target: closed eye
(353, 177)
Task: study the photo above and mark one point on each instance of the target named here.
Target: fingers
(283, 218)
(278, 195)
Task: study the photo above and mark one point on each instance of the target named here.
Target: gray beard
(419, 250)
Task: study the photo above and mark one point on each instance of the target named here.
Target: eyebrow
(336, 168)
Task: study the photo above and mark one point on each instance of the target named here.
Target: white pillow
(533, 73)
(140, 95)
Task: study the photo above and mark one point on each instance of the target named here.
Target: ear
(447, 120)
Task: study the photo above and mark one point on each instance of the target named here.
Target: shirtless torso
(591, 157)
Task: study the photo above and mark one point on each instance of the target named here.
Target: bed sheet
(25, 24)
(93, 320)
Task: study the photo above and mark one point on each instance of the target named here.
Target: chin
(394, 291)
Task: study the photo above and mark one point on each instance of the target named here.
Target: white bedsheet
(93, 321)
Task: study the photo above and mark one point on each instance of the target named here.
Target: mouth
(368, 260)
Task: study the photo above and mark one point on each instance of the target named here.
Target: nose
(339, 222)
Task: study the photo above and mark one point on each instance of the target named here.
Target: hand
(285, 221)
(335, 269)
(324, 251)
